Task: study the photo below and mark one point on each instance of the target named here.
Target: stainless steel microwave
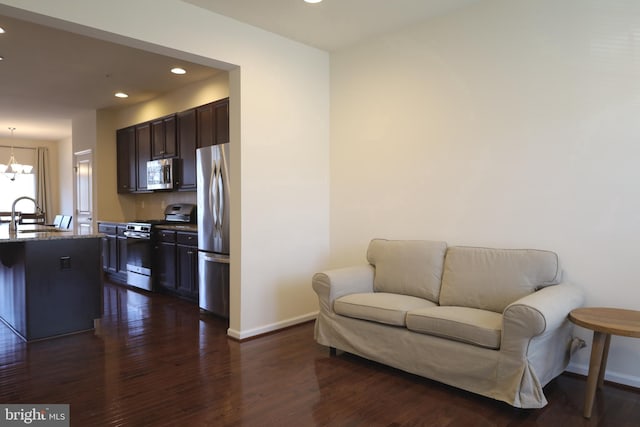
(161, 174)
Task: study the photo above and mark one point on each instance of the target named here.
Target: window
(24, 185)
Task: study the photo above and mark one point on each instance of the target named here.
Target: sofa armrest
(537, 313)
(332, 284)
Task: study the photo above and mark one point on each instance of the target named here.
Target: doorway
(84, 191)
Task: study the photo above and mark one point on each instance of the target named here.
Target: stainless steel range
(139, 245)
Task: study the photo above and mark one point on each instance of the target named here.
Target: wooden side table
(604, 322)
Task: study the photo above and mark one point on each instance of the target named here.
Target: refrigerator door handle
(216, 200)
(212, 196)
(216, 258)
(221, 200)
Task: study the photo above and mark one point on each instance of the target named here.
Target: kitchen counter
(114, 222)
(27, 232)
(179, 227)
(50, 281)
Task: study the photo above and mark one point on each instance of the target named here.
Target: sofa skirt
(512, 378)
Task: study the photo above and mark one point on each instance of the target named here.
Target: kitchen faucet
(12, 225)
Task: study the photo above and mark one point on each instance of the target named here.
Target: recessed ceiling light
(1, 30)
(121, 95)
(312, 1)
(178, 70)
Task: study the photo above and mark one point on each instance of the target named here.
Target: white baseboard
(241, 335)
(612, 376)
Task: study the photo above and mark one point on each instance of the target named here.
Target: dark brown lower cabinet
(121, 242)
(114, 251)
(175, 263)
(164, 260)
(187, 263)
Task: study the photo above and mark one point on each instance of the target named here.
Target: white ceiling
(332, 24)
(48, 76)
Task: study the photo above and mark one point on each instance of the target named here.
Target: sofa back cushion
(491, 279)
(407, 267)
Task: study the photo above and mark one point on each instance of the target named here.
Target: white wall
(193, 95)
(65, 170)
(84, 136)
(279, 105)
(108, 204)
(508, 124)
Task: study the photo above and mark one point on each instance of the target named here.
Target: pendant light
(13, 168)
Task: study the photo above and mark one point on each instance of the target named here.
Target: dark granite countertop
(179, 227)
(30, 232)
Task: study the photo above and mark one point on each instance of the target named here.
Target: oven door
(138, 260)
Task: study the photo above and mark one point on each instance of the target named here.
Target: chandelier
(13, 168)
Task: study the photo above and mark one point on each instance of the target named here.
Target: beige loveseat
(490, 321)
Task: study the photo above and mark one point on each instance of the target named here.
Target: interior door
(83, 217)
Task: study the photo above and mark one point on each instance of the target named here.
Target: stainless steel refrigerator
(213, 228)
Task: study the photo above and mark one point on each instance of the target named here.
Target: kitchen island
(50, 281)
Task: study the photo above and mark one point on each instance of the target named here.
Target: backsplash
(152, 205)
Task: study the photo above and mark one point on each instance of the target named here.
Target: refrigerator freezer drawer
(213, 282)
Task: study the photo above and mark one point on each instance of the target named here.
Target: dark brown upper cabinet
(143, 153)
(176, 135)
(204, 120)
(187, 149)
(126, 157)
(163, 137)
(221, 117)
(213, 123)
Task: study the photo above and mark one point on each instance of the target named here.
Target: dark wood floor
(157, 361)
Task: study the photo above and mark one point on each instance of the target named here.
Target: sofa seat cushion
(408, 267)
(381, 307)
(470, 325)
